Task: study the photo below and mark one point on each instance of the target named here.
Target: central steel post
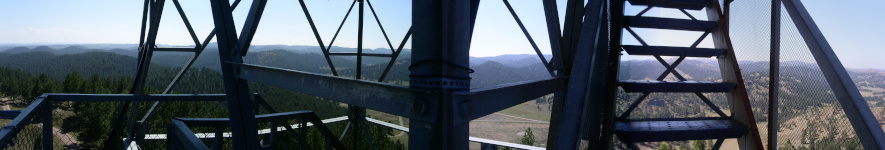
(441, 43)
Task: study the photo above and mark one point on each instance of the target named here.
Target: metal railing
(180, 134)
(33, 127)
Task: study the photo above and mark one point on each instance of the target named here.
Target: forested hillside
(109, 73)
(24, 75)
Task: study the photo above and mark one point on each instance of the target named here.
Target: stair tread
(669, 23)
(675, 86)
(650, 131)
(672, 51)
(678, 4)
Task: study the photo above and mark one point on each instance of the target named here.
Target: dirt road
(70, 141)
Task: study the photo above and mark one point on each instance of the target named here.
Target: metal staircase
(739, 124)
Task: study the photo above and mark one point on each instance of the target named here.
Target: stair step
(678, 4)
(652, 131)
(675, 86)
(669, 23)
(672, 51)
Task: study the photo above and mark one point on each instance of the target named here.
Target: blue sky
(851, 27)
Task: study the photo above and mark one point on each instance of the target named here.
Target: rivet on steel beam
(465, 107)
(419, 106)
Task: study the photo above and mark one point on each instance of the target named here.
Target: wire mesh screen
(750, 25)
(29, 137)
(810, 116)
(63, 137)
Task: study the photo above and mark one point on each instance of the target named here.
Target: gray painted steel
(582, 78)
(419, 104)
(650, 131)
(478, 103)
(239, 103)
(184, 136)
(672, 51)
(774, 73)
(440, 48)
(681, 4)
(668, 23)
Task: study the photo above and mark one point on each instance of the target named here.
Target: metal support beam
(144, 61)
(199, 50)
(571, 31)
(554, 33)
(529, 37)
(479, 103)
(388, 98)
(320, 39)
(185, 136)
(584, 95)
(251, 26)
(441, 43)
(359, 41)
(858, 111)
(774, 73)
(239, 103)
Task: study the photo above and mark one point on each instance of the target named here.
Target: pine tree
(699, 145)
(528, 138)
(788, 146)
(72, 82)
(666, 146)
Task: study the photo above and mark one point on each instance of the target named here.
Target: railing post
(219, 137)
(170, 137)
(272, 137)
(46, 115)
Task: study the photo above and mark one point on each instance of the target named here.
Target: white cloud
(52, 30)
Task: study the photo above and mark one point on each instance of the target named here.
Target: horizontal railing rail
(180, 126)
(41, 108)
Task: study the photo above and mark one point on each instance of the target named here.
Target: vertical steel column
(856, 109)
(616, 15)
(584, 94)
(46, 115)
(242, 119)
(359, 43)
(144, 60)
(774, 73)
(551, 15)
(441, 43)
(574, 12)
